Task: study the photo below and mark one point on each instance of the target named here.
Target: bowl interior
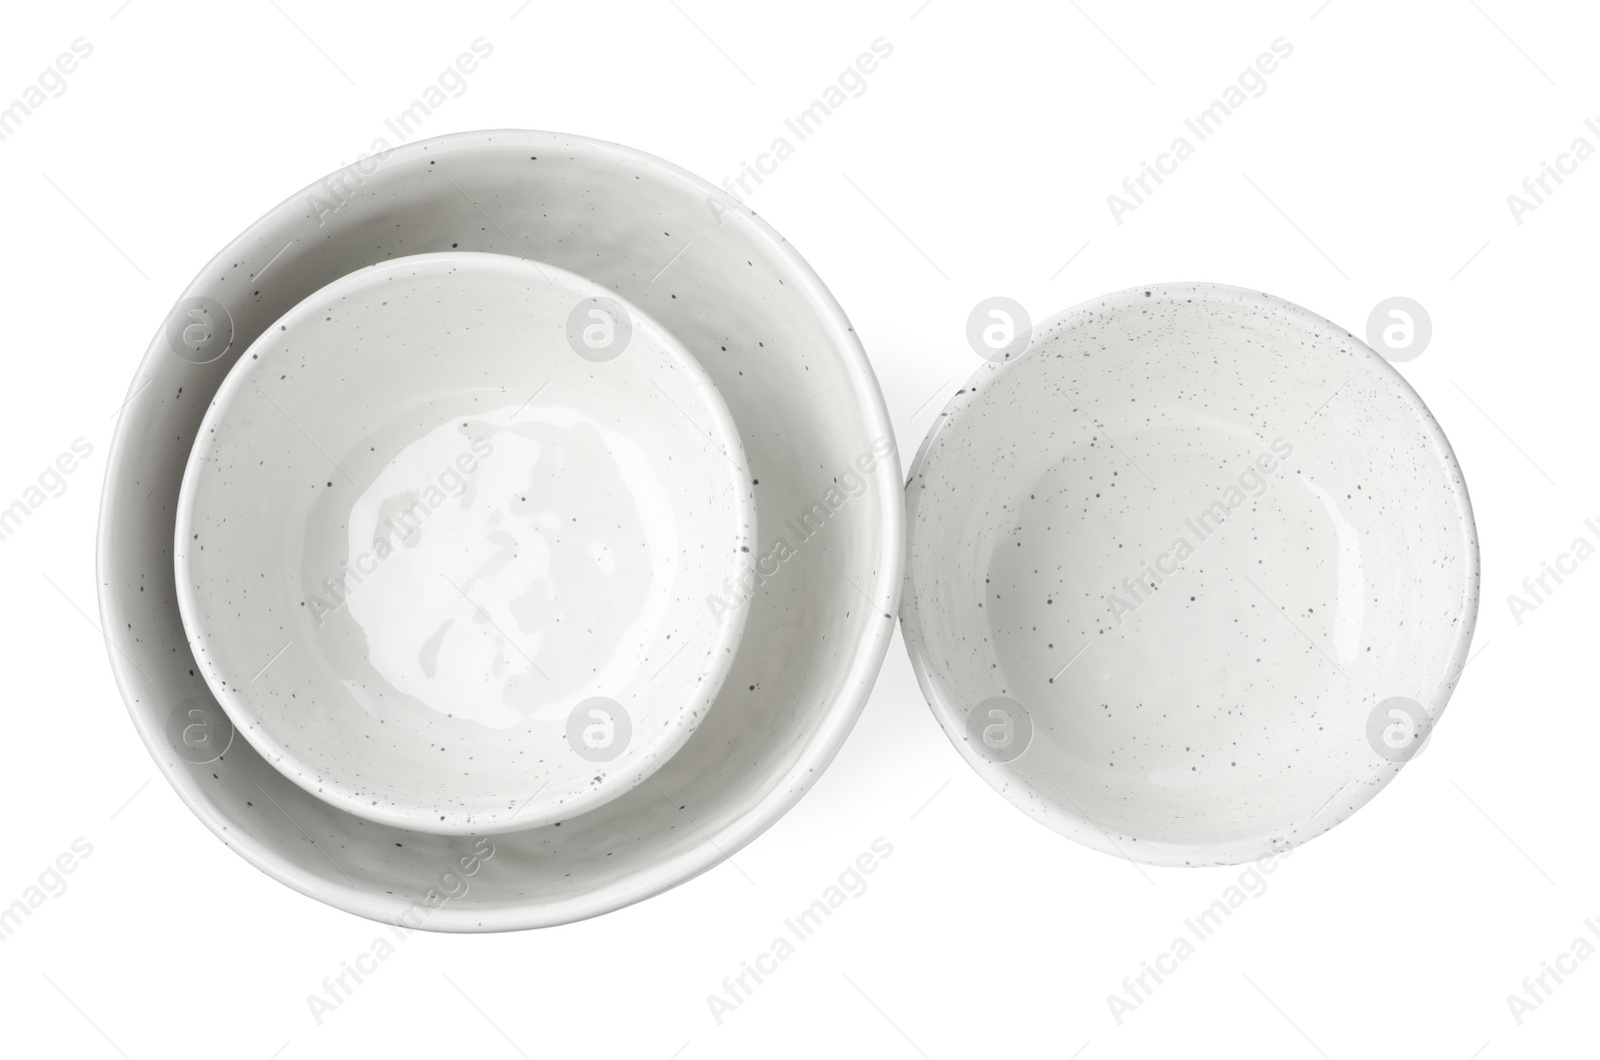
(445, 563)
(814, 431)
(1168, 567)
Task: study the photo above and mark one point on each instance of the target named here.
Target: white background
(976, 163)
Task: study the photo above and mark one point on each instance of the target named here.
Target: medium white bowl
(445, 540)
(814, 431)
(1191, 579)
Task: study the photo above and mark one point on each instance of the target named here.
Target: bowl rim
(1075, 826)
(854, 681)
(668, 732)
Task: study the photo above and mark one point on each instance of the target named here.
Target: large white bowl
(445, 541)
(1191, 579)
(814, 431)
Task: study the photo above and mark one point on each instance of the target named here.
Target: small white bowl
(446, 537)
(1191, 579)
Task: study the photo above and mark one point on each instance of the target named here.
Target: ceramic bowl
(446, 538)
(822, 462)
(1192, 578)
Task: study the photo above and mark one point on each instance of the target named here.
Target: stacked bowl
(500, 531)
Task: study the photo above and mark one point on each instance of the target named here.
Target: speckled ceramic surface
(822, 461)
(1192, 578)
(444, 563)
